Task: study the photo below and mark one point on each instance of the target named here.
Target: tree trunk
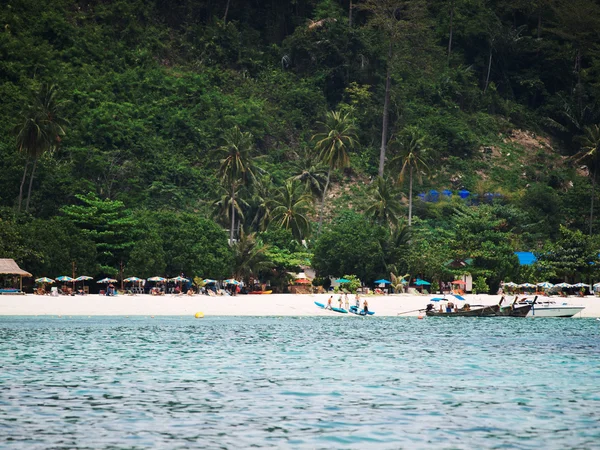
(487, 80)
(350, 15)
(23, 184)
(451, 30)
(232, 214)
(30, 184)
(323, 203)
(592, 202)
(226, 11)
(410, 185)
(386, 106)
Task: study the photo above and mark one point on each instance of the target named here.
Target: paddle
(406, 312)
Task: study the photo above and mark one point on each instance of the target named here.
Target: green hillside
(129, 129)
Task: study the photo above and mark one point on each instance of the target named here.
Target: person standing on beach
(329, 303)
(346, 301)
(365, 307)
(357, 300)
(340, 301)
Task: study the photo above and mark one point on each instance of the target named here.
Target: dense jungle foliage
(146, 134)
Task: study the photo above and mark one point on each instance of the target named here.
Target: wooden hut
(10, 267)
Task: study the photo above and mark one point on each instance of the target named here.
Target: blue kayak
(338, 310)
(360, 312)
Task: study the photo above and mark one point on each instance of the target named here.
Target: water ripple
(298, 383)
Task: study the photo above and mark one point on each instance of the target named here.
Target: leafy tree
(411, 157)
(290, 208)
(108, 224)
(573, 255)
(332, 145)
(40, 131)
(351, 246)
(590, 154)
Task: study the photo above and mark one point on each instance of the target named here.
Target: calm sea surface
(339, 382)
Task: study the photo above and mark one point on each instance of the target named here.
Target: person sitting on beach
(190, 292)
(329, 303)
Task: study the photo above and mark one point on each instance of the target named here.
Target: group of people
(346, 302)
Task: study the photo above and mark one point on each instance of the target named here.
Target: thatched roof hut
(10, 267)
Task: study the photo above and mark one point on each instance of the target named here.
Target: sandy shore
(242, 305)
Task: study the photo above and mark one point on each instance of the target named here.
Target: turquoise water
(299, 383)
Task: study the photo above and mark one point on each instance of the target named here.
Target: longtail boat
(515, 310)
(465, 311)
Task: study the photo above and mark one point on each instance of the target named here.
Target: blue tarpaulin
(463, 193)
(526, 258)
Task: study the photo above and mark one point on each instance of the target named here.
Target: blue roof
(526, 258)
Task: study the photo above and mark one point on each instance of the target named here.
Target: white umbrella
(510, 284)
(563, 285)
(545, 285)
(597, 285)
(527, 285)
(581, 285)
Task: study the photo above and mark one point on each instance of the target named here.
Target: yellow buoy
(199, 315)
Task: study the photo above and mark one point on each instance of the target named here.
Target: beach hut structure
(10, 267)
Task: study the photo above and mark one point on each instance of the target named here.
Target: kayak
(338, 310)
(361, 312)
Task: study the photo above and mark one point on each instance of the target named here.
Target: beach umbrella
(581, 285)
(231, 281)
(383, 281)
(64, 278)
(107, 280)
(527, 285)
(179, 279)
(597, 285)
(132, 279)
(459, 282)
(545, 285)
(420, 282)
(44, 280)
(302, 281)
(510, 284)
(342, 280)
(209, 281)
(83, 278)
(563, 285)
(157, 279)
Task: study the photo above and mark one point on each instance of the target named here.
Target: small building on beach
(10, 267)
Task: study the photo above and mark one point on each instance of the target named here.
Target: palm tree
(261, 203)
(236, 168)
(226, 203)
(290, 208)
(249, 256)
(385, 208)
(311, 172)
(39, 132)
(332, 144)
(590, 154)
(412, 153)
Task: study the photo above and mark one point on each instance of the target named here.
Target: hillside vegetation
(142, 135)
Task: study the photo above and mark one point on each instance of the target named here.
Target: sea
(299, 382)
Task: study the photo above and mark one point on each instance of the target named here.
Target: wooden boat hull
(486, 311)
(260, 292)
(515, 311)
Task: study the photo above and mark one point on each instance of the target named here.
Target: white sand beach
(242, 305)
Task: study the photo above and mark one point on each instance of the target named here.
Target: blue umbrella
(420, 282)
(463, 193)
(342, 280)
(383, 281)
